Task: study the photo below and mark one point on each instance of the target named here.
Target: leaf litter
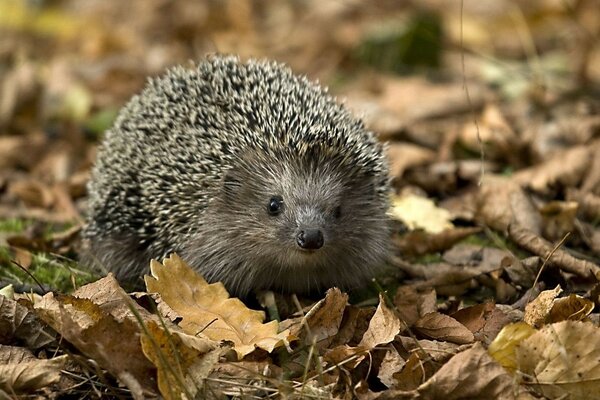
(466, 307)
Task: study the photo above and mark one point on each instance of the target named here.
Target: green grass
(52, 271)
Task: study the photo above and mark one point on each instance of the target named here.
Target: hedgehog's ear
(231, 183)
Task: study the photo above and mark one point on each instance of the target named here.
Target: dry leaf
(562, 360)
(443, 327)
(420, 213)
(182, 361)
(113, 341)
(384, 326)
(208, 309)
(29, 376)
(412, 305)
(484, 320)
(537, 311)
(502, 349)
(572, 307)
(17, 322)
(566, 168)
(417, 243)
(472, 374)
(322, 322)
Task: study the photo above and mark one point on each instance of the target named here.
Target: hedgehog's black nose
(310, 239)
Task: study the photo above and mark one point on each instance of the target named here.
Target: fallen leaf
(19, 324)
(537, 311)
(503, 348)
(29, 376)
(182, 361)
(208, 309)
(562, 360)
(322, 322)
(384, 326)
(471, 374)
(572, 307)
(420, 213)
(112, 341)
(412, 304)
(443, 327)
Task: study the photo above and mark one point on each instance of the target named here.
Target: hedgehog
(255, 176)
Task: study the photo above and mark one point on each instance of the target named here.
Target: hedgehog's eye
(337, 213)
(275, 205)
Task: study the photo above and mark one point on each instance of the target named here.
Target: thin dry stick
(562, 241)
(466, 88)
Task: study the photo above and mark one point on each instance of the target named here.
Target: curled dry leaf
(208, 309)
(559, 218)
(562, 360)
(502, 349)
(443, 327)
(17, 322)
(384, 326)
(182, 361)
(537, 311)
(322, 322)
(29, 376)
(501, 201)
(572, 307)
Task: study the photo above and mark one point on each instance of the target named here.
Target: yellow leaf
(208, 309)
(420, 213)
(502, 349)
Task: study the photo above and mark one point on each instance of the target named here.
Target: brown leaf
(562, 360)
(484, 320)
(443, 327)
(470, 374)
(112, 341)
(501, 202)
(208, 309)
(566, 168)
(405, 155)
(29, 376)
(558, 218)
(183, 362)
(322, 322)
(537, 311)
(416, 243)
(17, 322)
(412, 304)
(573, 307)
(384, 326)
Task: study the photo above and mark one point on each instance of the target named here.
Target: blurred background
(67, 66)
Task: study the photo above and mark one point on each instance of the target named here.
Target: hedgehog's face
(301, 214)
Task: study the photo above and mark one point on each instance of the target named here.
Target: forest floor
(491, 114)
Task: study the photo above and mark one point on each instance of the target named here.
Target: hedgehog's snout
(310, 239)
